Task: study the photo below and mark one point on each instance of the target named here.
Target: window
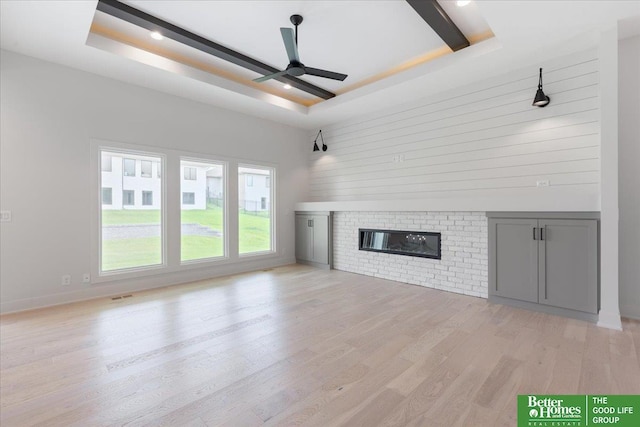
(202, 215)
(106, 163)
(267, 182)
(106, 196)
(147, 198)
(128, 198)
(145, 168)
(190, 173)
(255, 215)
(131, 235)
(159, 169)
(188, 198)
(129, 167)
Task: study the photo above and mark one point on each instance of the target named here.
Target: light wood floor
(299, 346)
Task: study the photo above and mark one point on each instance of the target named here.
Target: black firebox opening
(410, 243)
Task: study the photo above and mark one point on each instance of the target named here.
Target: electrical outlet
(5, 216)
(86, 278)
(66, 280)
(542, 183)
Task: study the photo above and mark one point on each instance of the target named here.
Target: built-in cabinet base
(558, 311)
(314, 232)
(545, 261)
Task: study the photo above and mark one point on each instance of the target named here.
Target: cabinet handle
(534, 233)
(542, 233)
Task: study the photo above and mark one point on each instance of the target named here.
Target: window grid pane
(145, 169)
(202, 210)
(254, 209)
(129, 167)
(106, 163)
(147, 198)
(131, 216)
(107, 198)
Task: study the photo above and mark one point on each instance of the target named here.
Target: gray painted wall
(49, 114)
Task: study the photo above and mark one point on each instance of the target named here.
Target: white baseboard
(609, 320)
(139, 284)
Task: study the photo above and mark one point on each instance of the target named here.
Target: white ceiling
(359, 38)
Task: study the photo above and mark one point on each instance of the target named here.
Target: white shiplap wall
(482, 140)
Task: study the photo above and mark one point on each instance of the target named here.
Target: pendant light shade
(541, 100)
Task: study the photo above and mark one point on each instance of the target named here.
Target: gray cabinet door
(568, 264)
(320, 226)
(304, 238)
(513, 251)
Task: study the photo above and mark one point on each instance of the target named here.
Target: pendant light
(541, 100)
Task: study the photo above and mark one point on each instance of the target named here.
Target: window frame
(169, 206)
(99, 275)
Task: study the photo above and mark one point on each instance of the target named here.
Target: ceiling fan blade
(270, 76)
(290, 44)
(324, 73)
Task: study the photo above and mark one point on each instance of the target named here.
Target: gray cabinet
(313, 238)
(546, 262)
(516, 259)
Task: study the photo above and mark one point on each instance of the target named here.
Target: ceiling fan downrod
(296, 20)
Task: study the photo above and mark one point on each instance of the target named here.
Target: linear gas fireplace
(411, 243)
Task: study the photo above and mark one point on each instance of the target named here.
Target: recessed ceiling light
(287, 86)
(461, 3)
(156, 35)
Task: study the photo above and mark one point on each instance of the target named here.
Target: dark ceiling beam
(151, 23)
(437, 18)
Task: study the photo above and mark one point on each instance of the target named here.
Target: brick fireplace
(463, 267)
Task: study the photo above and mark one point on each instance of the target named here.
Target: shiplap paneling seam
(471, 131)
(413, 157)
(433, 147)
(481, 169)
(506, 187)
(488, 158)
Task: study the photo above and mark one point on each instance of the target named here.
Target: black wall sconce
(541, 100)
(315, 142)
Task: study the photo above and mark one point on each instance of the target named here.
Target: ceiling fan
(295, 67)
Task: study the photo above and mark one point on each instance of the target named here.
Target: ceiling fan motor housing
(295, 68)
